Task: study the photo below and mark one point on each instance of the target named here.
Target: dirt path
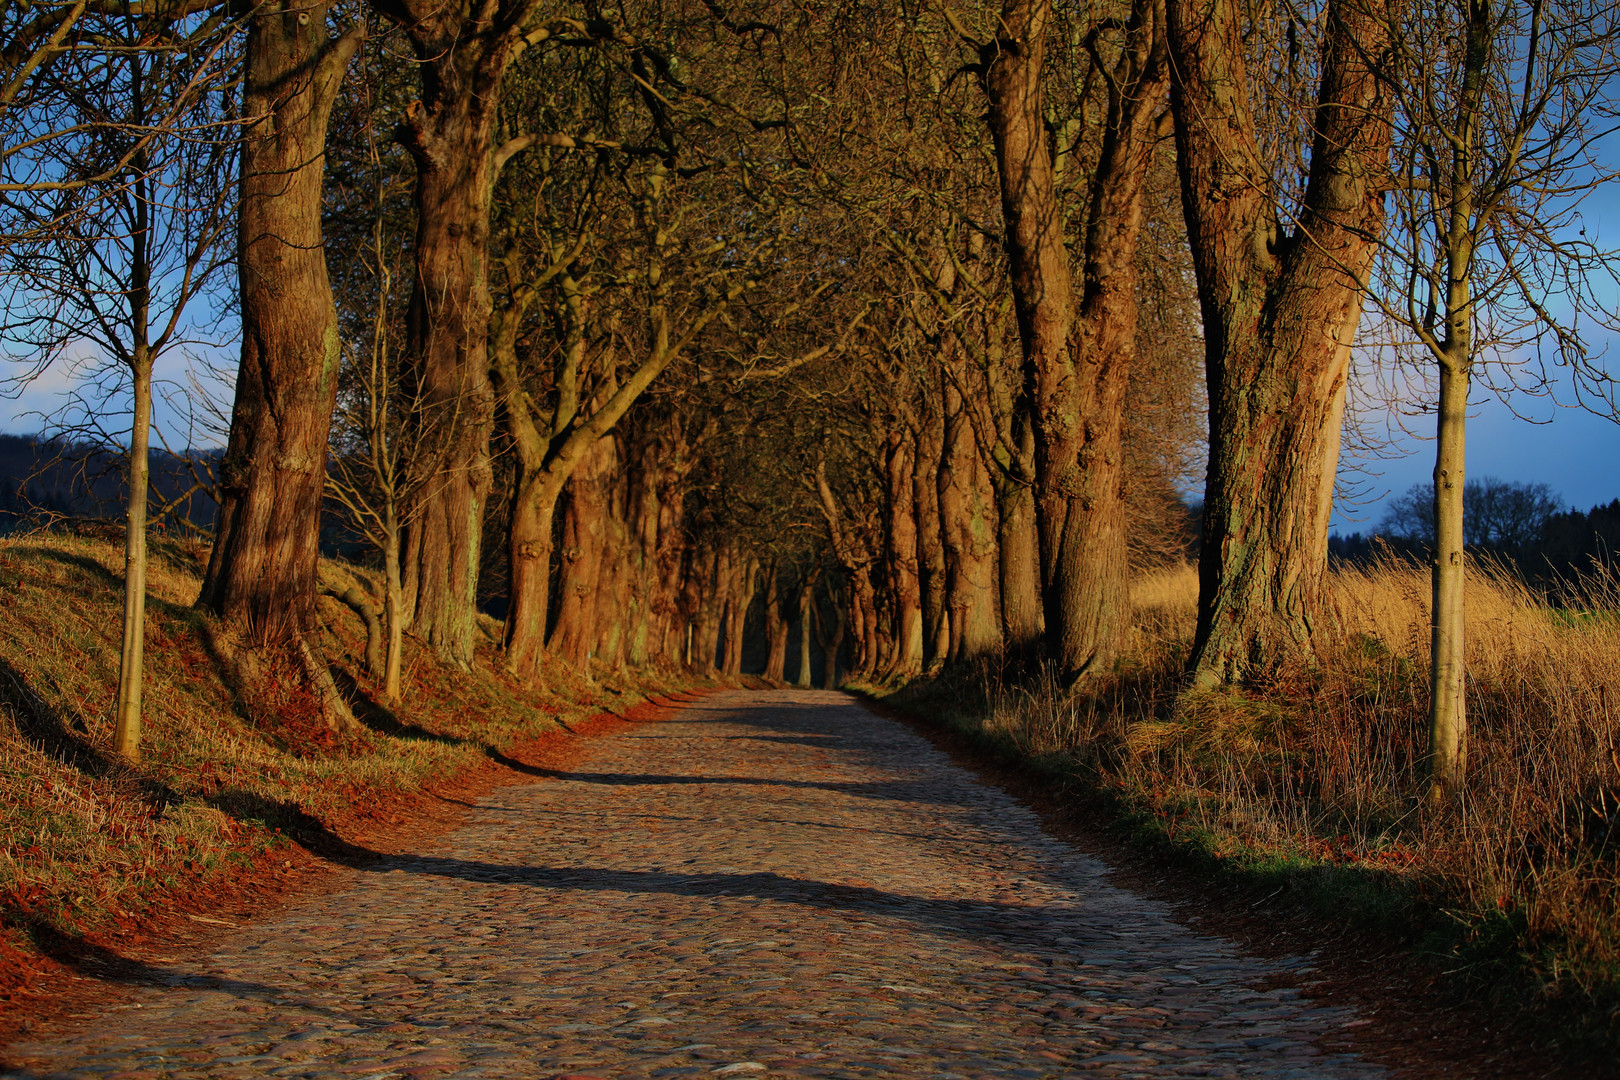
(771, 884)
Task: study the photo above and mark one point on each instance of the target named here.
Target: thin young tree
(116, 284)
(1502, 109)
(377, 464)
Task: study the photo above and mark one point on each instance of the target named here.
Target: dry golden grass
(1323, 774)
(87, 841)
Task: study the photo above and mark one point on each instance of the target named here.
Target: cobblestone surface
(770, 884)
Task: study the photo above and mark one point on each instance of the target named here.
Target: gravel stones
(768, 884)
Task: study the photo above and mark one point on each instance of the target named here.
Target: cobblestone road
(770, 884)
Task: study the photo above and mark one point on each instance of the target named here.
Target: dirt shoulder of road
(1411, 1018)
(78, 978)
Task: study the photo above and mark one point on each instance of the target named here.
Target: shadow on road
(974, 920)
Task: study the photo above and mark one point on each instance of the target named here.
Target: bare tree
(377, 465)
(119, 277)
(1502, 106)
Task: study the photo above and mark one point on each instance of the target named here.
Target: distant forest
(44, 480)
(1555, 552)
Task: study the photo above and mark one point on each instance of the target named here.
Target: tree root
(357, 601)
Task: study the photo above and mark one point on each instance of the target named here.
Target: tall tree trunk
(1448, 707)
(262, 570)
(1280, 313)
(1089, 572)
(642, 542)
(584, 535)
(967, 509)
(930, 544)
(618, 609)
(462, 52)
(1042, 293)
(706, 636)
(131, 668)
(671, 555)
(901, 537)
(742, 598)
(1018, 568)
(806, 599)
(393, 608)
(1448, 716)
(1076, 384)
(776, 628)
(871, 632)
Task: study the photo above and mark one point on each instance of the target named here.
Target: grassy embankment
(1315, 784)
(235, 758)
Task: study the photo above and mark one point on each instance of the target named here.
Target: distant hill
(45, 479)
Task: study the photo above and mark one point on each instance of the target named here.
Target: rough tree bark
(1018, 568)
(1280, 311)
(929, 438)
(900, 536)
(462, 49)
(968, 513)
(1076, 383)
(262, 571)
(584, 535)
(1086, 520)
(1041, 283)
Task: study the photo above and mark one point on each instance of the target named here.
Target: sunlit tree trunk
(584, 534)
(393, 608)
(1088, 574)
(901, 555)
(968, 514)
(1448, 716)
(930, 546)
(131, 669)
(1280, 312)
(262, 569)
(462, 53)
(1018, 561)
(1076, 361)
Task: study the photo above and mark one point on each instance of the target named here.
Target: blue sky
(1575, 452)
